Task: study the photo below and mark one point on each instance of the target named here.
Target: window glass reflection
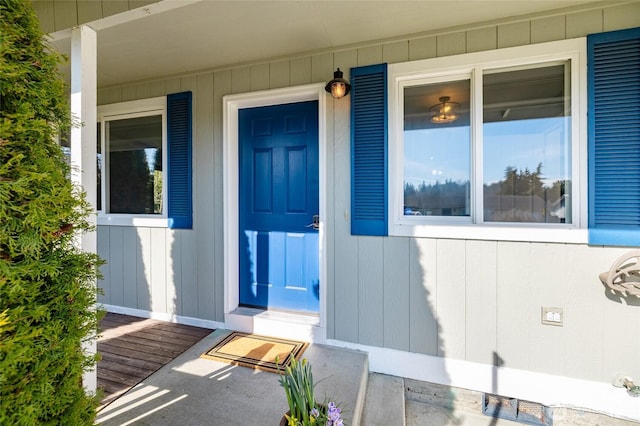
(437, 149)
(526, 151)
(135, 165)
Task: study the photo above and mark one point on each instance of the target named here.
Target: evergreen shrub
(47, 284)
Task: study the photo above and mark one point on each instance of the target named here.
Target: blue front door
(278, 160)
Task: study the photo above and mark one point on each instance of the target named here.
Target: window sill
(542, 234)
(132, 220)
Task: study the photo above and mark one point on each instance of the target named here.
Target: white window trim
(132, 109)
(401, 74)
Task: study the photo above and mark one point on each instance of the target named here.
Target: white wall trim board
(178, 319)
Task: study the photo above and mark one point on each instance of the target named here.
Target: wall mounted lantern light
(338, 87)
(445, 111)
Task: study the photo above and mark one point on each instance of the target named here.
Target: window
(134, 154)
(490, 145)
(132, 173)
(526, 144)
(137, 183)
(437, 150)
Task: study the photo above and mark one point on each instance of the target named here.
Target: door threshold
(283, 324)
(306, 318)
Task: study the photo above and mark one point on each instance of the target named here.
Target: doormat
(253, 351)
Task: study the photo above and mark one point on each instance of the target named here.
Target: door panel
(263, 181)
(278, 154)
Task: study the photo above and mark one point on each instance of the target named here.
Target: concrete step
(384, 403)
(341, 375)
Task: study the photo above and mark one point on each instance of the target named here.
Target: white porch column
(83, 140)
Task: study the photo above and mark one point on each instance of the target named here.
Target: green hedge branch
(47, 284)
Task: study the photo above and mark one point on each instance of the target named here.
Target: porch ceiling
(178, 36)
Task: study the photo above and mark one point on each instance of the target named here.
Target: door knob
(316, 222)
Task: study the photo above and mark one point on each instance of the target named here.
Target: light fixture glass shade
(338, 87)
(445, 111)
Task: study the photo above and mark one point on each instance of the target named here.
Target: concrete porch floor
(190, 390)
(195, 391)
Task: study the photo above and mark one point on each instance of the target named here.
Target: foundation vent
(515, 410)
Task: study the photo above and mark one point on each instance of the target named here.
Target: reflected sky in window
(439, 155)
(436, 155)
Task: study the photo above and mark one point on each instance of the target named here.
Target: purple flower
(333, 415)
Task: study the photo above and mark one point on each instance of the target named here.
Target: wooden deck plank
(126, 369)
(133, 348)
(115, 320)
(180, 334)
(111, 391)
(160, 343)
(166, 336)
(118, 377)
(110, 387)
(113, 317)
(128, 361)
(192, 331)
(111, 329)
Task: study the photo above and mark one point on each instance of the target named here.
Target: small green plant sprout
(304, 410)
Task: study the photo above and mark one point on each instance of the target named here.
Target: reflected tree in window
(129, 172)
(157, 182)
(522, 196)
(447, 198)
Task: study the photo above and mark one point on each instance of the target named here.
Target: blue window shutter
(614, 138)
(369, 150)
(179, 135)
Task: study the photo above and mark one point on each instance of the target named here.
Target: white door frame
(292, 326)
